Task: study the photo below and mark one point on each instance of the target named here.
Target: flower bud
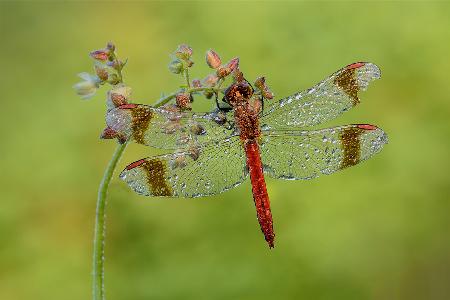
(196, 83)
(237, 75)
(183, 52)
(260, 82)
(119, 96)
(223, 72)
(183, 101)
(110, 46)
(233, 64)
(101, 54)
(101, 72)
(108, 133)
(213, 59)
(261, 85)
(176, 66)
(210, 80)
(189, 63)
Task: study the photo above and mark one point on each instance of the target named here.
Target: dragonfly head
(238, 93)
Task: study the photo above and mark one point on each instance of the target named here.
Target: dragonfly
(216, 151)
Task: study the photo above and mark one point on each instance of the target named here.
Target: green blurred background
(379, 230)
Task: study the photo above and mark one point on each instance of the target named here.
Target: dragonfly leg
(224, 109)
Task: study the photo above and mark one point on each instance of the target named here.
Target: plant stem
(100, 214)
(99, 235)
(188, 81)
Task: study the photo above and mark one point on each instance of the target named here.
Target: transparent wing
(193, 173)
(298, 155)
(165, 129)
(325, 101)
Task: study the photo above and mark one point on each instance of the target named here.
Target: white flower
(87, 88)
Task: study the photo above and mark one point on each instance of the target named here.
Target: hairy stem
(100, 227)
(100, 215)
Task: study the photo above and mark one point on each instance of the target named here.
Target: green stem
(99, 235)
(100, 217)
(188, 81)
(100, 214)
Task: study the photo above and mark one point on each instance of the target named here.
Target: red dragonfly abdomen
(260, 196)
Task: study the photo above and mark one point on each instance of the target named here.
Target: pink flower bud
(183, 52)
(101, 55)
(210, 80)
(233, 64)
(101, 72)
(196, 83)
(223, 72)
(260, 83)
(237, 75)
(213, 59)
(108, 133)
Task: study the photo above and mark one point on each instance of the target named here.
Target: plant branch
(100, 217)
(99, 234)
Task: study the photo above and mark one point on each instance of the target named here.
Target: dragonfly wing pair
(213, 160)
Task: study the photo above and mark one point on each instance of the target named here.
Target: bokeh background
(379, 230)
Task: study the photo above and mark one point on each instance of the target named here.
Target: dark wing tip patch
(356, 77)
(351, 143)
(347, 81)
(154, 171)
(351, 146)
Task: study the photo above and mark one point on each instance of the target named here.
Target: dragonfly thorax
(238, 93)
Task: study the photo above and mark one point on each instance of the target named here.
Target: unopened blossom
(233, 64)
(118, 96)
(183, 101)
(87, 88)
(109, 133)
(224, 71)
(101, 72)
(210, 80)
(101, 54)
(213, 59)
(237, 75)
(196, 83)
(260, 84)
(183, 52)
